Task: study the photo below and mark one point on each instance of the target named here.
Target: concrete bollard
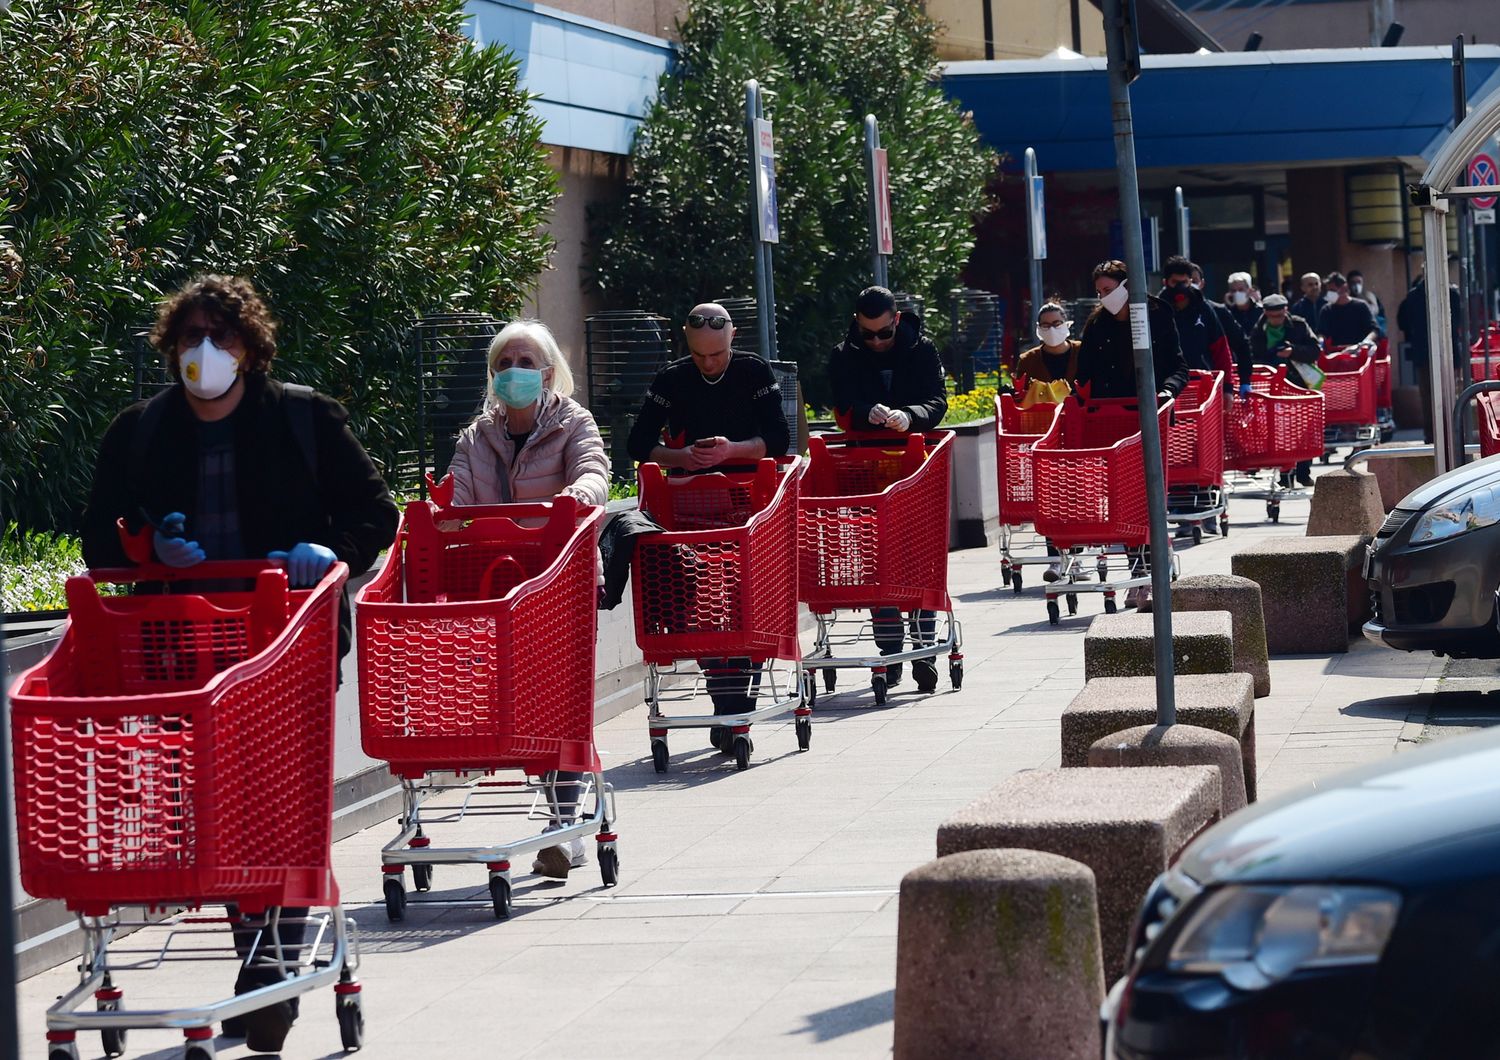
(1398, 478)
(1123, 645)
(1345, 502)
(1310, 588)
(1178, 745)
(1241, 598)
(997, 955)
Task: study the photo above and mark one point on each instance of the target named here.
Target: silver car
(1434, 568)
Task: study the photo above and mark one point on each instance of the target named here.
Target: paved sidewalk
(756, 914)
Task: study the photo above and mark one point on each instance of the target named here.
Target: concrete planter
(973, 507)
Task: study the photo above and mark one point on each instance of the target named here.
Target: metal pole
(768, 314)
(1184, 240)
(1145, 370)
(9, 1027)
(879, 267)
(1481, 259)
(762, 302)
(1382, 14)
(1461, 207)
(1439, 333)
(1037, 297)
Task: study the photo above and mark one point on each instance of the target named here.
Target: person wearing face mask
(1106, 352)
(1310, 306)
(1244, 308)
(1239, 345)
(715, 410)
(1345, 321)
(229, 463)
(533, 442)
(1204, 345)
(887, 376)
(1054, 361)
(1358, 289)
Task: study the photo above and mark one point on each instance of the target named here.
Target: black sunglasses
(698, 320)
(221, 334)
(887, 332)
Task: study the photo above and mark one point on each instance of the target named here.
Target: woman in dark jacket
(244, 467)
(1106, 355)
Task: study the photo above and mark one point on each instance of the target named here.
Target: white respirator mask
(208, 371)
(1115, 300)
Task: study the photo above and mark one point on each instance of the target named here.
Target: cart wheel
(1072, 604)
(197, 1051)
(113, 1042)
(351, 1021)
(421, 877)
(804, 733)
(1273, 511)
(742, 749)
(878, 686)
(63, 1052)
(1223, 526)
(1197, 533)
(500, 897)
(809, 688)
(609, 864)
(660, 756)
(830, 680)
(395, 898)
(1102, 569)
(1053, 614)
(1110, 607)
(956, 673)
(1015, 579)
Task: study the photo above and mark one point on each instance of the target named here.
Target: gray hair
(1241, 277)
(541, 337)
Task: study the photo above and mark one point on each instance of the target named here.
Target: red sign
(1482, 174)
(887, 237)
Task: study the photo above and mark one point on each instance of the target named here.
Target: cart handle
(139, 549)
(441, 496)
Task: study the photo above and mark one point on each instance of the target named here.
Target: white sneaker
(555, 862)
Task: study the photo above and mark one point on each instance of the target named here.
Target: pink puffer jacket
(564, 454)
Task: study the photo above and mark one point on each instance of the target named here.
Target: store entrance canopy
(1227, 108)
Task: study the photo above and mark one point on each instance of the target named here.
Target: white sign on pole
(886, 234)
(765, 183)
(1038, 208)
(1140, 327)
(1484, 217)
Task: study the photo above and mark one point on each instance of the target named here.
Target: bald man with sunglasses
(713, 408)
(887, 378)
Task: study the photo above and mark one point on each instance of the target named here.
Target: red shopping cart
(1349, 399)
(1091, 492)
(144, 748)
(476, 656)
(718, 584)
(1489, 423)
(872, 535)
(1484, 355)
(1385, 417)
(1275, 428)
(1017, 430)
(1195, 456)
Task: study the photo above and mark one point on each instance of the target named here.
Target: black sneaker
(716, 739)
(266, 1029)
(893, 674)
(1304, 476)
(926, 675)
(1285, 482)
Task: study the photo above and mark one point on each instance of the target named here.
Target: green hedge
(363, 163)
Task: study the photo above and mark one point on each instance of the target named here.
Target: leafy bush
(34, 567)
(682, 232)
(363, 163)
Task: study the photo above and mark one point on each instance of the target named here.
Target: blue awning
(1228, 108)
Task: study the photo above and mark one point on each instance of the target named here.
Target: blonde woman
(533, 442)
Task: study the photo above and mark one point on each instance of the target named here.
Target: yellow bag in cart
(1040, 393)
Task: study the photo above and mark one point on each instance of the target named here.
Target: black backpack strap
(297, 400)
(140, 445)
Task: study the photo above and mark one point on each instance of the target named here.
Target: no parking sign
(1482, 174)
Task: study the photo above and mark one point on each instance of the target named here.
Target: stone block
(1123, 645)
(1178, 745)
(1345, 502)
(1221, 702)
(997, 955)
(1310, 590)
(1399, 477)
(1241, 598)
(1125, 824)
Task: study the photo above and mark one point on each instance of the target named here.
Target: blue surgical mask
(518, 387)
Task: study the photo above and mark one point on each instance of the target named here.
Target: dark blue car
(1358, 920)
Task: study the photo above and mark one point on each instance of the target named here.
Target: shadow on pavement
(852, 1016)
(1386, 708)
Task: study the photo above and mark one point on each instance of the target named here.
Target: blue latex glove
(306, 563)
(171, 547)
(1244, 390)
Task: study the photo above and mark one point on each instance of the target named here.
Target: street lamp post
(1123, 56)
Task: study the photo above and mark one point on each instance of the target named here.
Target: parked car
(1434, 568)
(1360, 919)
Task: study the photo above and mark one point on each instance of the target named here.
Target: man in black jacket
(230, 464)
(1280, 338)
(887, 376)
(1411, 318)
(1106, 352)
(1239, 343)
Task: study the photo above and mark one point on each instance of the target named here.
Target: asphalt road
(1467, 698)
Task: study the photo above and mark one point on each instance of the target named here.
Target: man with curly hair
(229, 463)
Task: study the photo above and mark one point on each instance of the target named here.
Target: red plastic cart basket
(1195, 452)
(1349, 390)
(720, 579)
(1090, 475)
(147, 744)
(1489, 423)
(477, 640)
(872, 523)
(1279, 425)
(1017, 431)
(1477, 361)
(1383, 374)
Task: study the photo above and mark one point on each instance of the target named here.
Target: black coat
(1304, 343)
(908, 376)
(1411, 318)
(1239, 343)
(344, 506)
(1106, 355)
